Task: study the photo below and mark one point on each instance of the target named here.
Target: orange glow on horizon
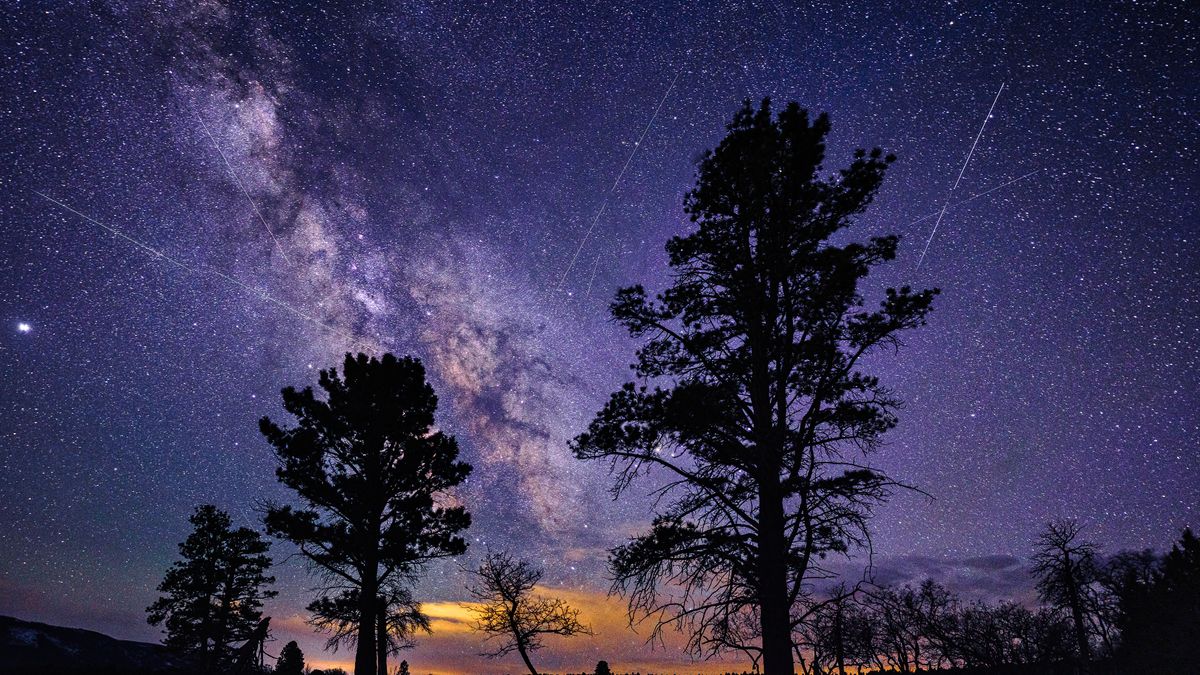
(454, 648)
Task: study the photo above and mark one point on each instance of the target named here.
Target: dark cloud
(991, 578)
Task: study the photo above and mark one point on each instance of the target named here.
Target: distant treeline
(1100, 614)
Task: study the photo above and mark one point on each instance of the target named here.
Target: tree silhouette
(403, 668)
(754, 407)
(982, 636)
(291, 660)
(1160, 611)
(602, 668)
(1065, 566)
(401, 616)
(928, 629)
(213, 596)
(510, 611)
(911, 625)
(1122, 577)
(837, 634)
(372, 474)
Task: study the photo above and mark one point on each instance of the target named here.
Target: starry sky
(202, 202)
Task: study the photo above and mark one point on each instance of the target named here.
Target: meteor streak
(961, 171)
(236, 179)
(198, 270)
(973, 197)
(592, 278)
(611, 190)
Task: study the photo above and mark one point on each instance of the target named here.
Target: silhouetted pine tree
(370, 470)
(760, 413)
(291, 660)
(1160, 618)
(214, 595)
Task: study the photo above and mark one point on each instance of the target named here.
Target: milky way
(438, 179)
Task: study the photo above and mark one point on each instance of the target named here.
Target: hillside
(29, 647)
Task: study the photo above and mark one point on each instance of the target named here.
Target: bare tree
(512, 612)
(836, 634)
(1065, 566)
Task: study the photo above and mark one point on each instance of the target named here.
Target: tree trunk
(525, 658)
(221, 640)
(839, 644)
(1076, 603)
(774, 610)
(365, 656)
(382, 645)
(206, 634)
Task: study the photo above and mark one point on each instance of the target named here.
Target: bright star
(24, 327)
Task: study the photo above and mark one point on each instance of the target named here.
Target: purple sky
(292, 183)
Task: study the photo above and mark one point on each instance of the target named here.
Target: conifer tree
(291, 660)
(753, 404)
(1160, 616)
(213, 596)
(373, 476)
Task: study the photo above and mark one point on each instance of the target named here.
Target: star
(23, 327)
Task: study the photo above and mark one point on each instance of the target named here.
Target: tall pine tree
(372, 474)
(753, 403)
(213, 596)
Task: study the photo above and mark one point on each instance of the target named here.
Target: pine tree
(214, 595)
(753, 402)
(373, 475)
(291, 660)
(1160, 617)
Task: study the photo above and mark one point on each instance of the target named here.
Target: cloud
(990, 577)
(453, 644)
(992, 562)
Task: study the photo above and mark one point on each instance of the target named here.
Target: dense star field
(201, 203)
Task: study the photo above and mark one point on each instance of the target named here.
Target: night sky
(237, 195)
